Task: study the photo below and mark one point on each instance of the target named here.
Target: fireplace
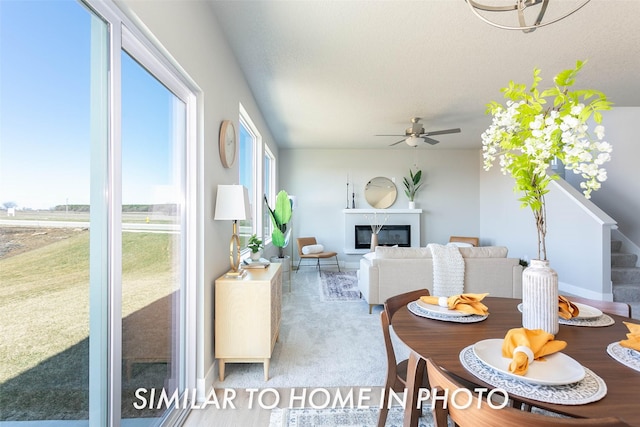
(389, 235)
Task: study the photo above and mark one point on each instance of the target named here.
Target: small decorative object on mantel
(376, 226)
(412, 185)
(527, 135)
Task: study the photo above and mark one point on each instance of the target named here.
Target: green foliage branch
(536, 127)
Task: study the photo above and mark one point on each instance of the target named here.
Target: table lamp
(232, 203)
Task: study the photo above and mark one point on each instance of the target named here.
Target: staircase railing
(580, 236)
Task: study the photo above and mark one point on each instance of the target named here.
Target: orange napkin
(633, 337)
(464, 303)
(567, 309)
(524, 346)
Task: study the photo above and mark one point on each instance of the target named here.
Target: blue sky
(45, 106)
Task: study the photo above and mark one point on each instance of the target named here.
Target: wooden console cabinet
(247, 317)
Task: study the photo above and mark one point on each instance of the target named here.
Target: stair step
(625, 275)
(616, 245)
(628, 293)
(623, 260)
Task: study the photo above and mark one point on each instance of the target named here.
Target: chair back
(610, 307)
(478, 412)
(471, 240)
(305, 241)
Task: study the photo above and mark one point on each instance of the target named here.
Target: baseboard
(205, 384)
(566, 288)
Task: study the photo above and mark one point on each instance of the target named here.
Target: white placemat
(598, 322)
(590, 389)
(626, 356)
(418, 311)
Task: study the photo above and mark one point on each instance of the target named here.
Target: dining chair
(396, 371)
(317, 255)
(473, 241)
(478, 412)
(609, 307)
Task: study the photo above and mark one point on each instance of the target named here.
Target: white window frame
(257, 167)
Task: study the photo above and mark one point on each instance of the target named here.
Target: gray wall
(449, 196)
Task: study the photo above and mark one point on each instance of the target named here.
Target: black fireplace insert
(389, 235)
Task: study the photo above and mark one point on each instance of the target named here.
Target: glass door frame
(105, 376)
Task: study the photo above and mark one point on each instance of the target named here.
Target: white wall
(620, 193)
(449, 196)
(188, 30)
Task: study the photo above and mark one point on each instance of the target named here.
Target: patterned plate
(419, 311)
(597, 322)
(590, 389)
(626, 356)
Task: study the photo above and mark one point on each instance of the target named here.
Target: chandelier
(520, 6)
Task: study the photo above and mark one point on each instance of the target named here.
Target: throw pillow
(312, 249)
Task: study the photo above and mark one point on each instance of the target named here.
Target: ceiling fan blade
(442, 132)
(396, 143)
(429, 140)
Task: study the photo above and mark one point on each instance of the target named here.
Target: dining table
(445, 341)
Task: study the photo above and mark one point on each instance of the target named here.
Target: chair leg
(337, 263)
(299, 261)
(318, 264)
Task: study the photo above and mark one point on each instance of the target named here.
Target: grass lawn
(44, 316)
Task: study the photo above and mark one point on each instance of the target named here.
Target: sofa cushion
(386, 252)
(484, 252)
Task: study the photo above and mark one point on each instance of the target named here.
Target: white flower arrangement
(376, 226)
(526, 138)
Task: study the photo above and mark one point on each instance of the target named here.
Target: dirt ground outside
(17, 240)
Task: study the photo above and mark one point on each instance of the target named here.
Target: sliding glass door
(153, 141)
(97, 219)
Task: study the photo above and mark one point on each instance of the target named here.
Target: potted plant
(280, 217)
(255, 245)
(412, 184)
(533, 129)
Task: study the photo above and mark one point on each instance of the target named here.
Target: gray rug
(343, 417)
(339, 286)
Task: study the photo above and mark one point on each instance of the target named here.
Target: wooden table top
(443, 342)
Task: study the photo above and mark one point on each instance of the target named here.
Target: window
(269, 181)
(250, 167)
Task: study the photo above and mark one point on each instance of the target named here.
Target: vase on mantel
(374, 242)
(412, 204)
(540, 297)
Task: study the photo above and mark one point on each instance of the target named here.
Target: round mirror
(380, 192)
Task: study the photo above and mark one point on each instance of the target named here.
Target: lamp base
(236, 274)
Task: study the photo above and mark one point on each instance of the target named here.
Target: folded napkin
(464, 303)
(567, 309)
(633, 337)
(524, 346)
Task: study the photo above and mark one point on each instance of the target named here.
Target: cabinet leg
(221, 369)
(266, 369)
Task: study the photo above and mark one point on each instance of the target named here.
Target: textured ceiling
(332, 74)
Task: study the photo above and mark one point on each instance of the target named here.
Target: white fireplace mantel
(353, 217)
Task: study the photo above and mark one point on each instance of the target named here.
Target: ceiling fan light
(412, 141)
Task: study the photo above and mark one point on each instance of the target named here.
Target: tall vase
(540, 297)
(374, 242)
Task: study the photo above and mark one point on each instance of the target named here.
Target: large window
(250, 170)
(97, 194)
(269, 180)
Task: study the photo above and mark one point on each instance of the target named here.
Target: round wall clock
(227, 143)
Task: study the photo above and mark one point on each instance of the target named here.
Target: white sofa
(391, 271)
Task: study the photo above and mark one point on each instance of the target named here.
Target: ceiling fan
(416, 131)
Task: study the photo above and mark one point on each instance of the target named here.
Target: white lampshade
(232, 203)
(413, 141)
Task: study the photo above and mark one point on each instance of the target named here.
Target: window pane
(153, 140)
(247, 170)
(45, 78)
